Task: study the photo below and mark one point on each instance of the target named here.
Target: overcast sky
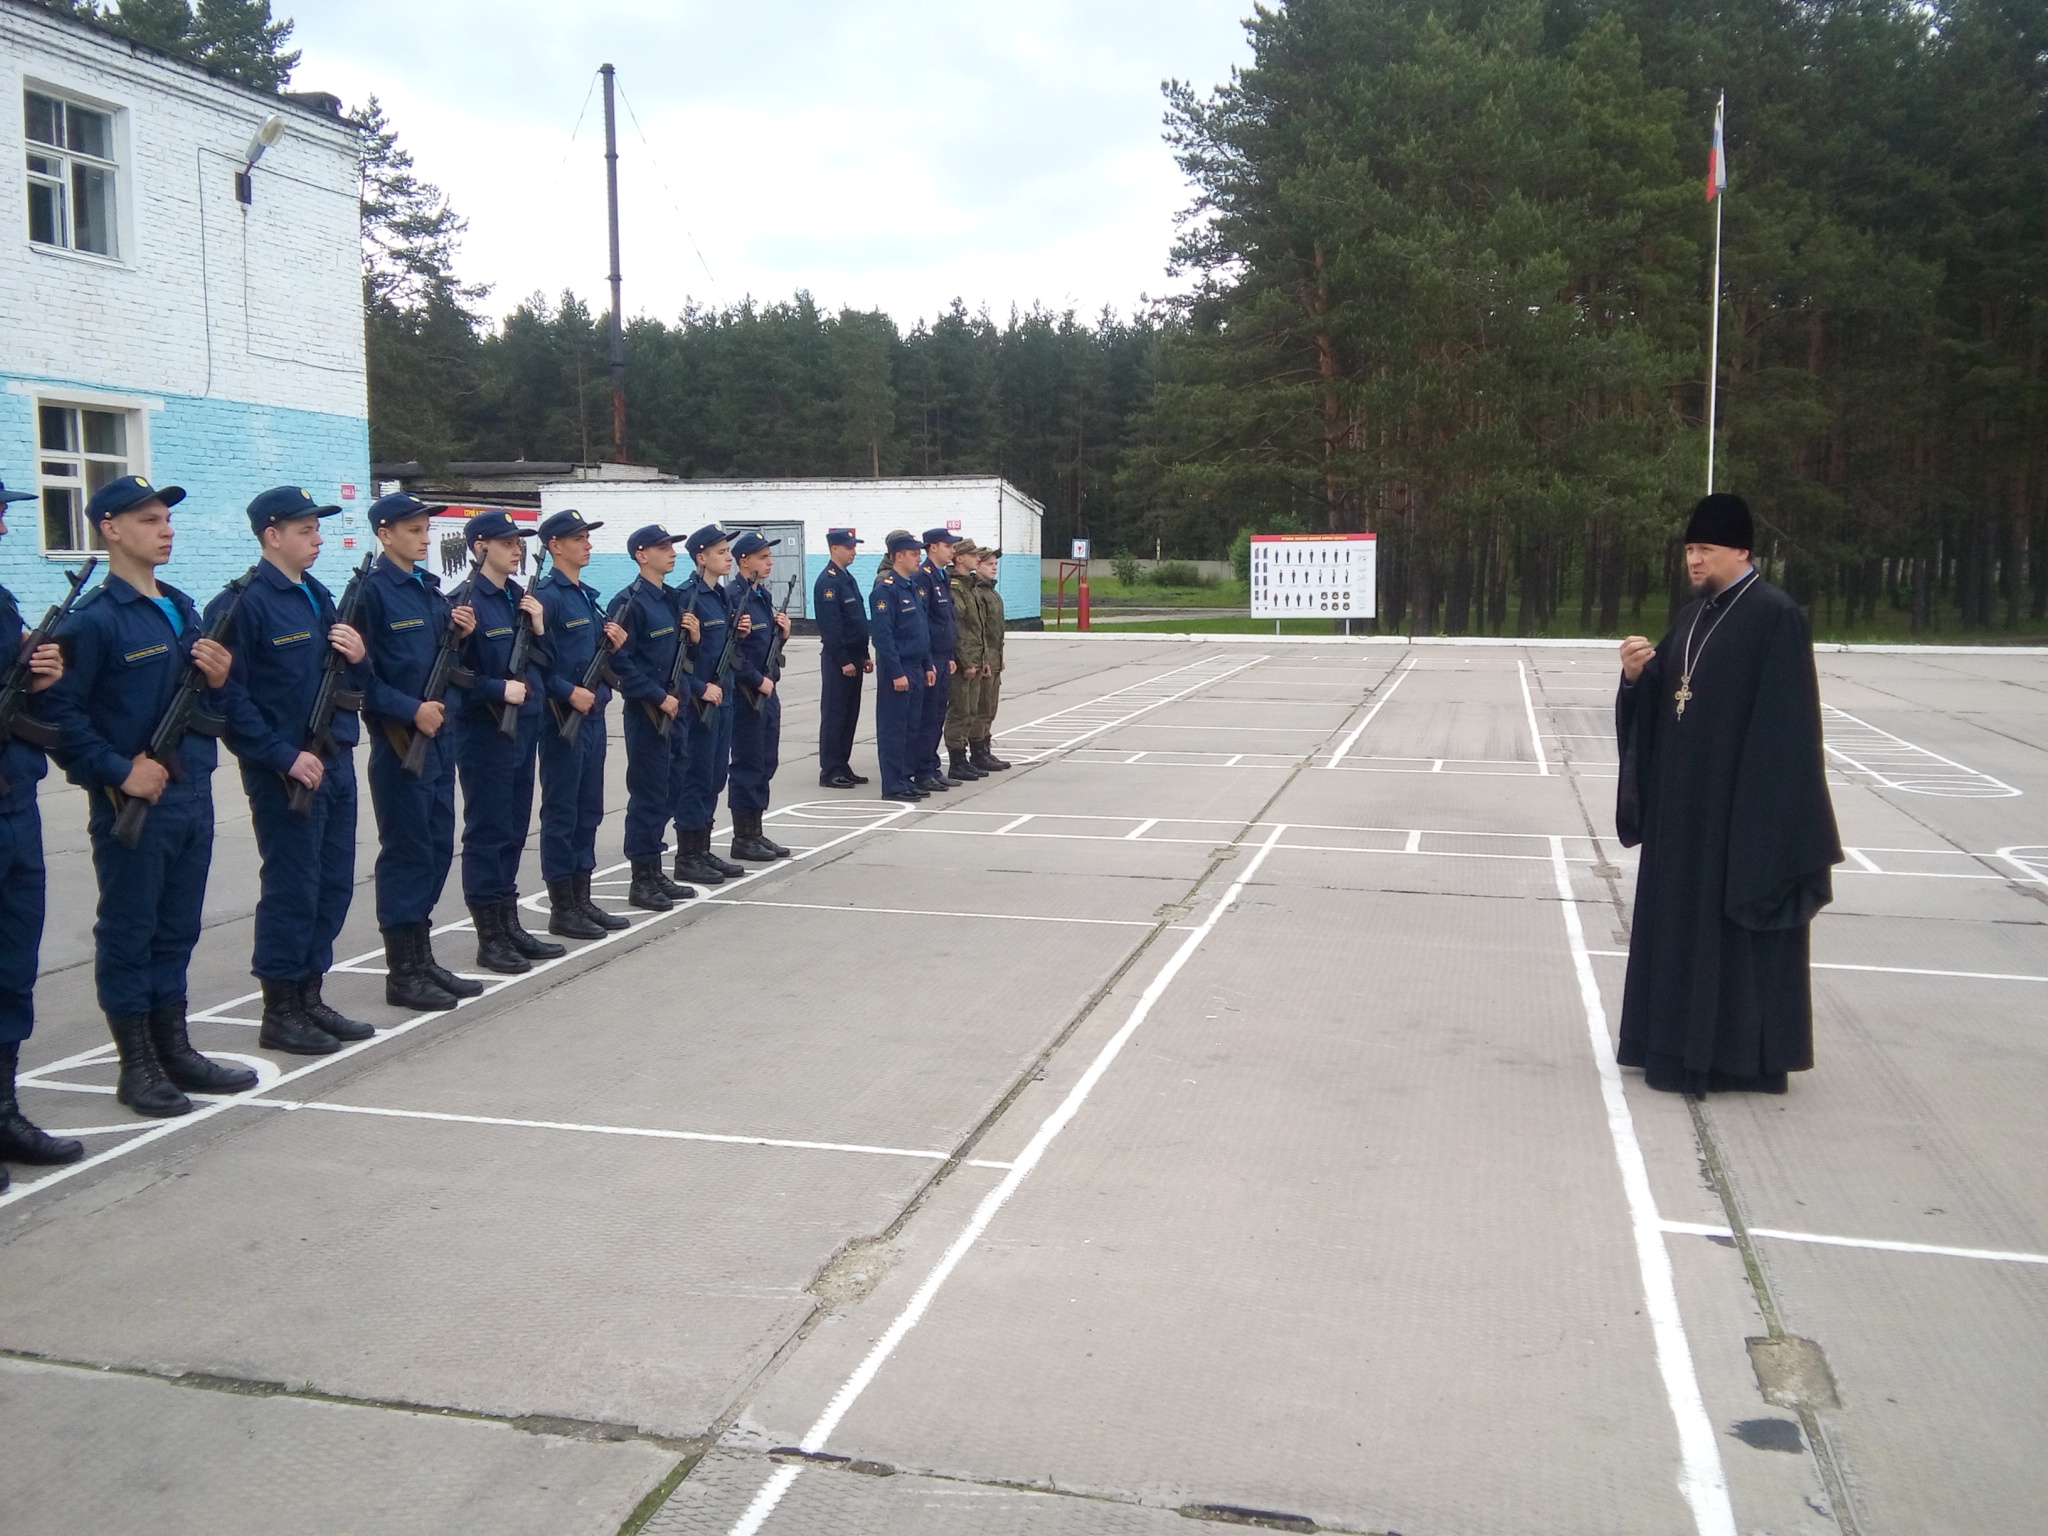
(883, 154)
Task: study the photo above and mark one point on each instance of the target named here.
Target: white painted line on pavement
(1882, 970)
(1881, 1245)
(1535, 736)
(1013, 824)
(1141, 829)
(779, 1483)
(1701, 1480)
(1897, 763)
(1000, 917)
(1358, 730)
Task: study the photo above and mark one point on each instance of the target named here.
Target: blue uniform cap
(494, 525)
(902, 541)
(842, 537)
(396, 508)
(8, 497)
(647, 538)
(564, 523)
(284, 504)
(942, 536)
(705, 538)
(751, 543)
(128, 493)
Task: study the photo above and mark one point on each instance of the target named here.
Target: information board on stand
(1314, 575)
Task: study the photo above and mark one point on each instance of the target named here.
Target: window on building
(82, 449)
(71, 175)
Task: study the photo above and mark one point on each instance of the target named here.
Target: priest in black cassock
(1723, 785)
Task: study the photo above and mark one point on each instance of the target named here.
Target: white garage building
(985, 508)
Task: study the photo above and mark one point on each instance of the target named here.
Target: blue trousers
(704, 774)
(571, 795)
(897, 719)
(309, 870)
(497, 801)
(150, 896)
(838, 718)
(21, 918)
(655, 767)
(415, 829)
(756, 752)
(931, 720)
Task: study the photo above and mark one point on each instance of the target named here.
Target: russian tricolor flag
(1717, 162)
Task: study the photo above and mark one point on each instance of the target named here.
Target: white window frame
(116, 165)
(135, 419)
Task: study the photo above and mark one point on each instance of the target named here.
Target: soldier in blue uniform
(903, 667)
(718, 615)
(281, 636)
(572, 771)
(405, 619)
(655, 627)
(935, 585)
(129, 641)
(21, 892)
(843, 657)
(757, 719)
(496, 769)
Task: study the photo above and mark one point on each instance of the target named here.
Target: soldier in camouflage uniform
(964, 710)
(981, 748)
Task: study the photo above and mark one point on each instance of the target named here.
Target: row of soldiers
(934, 618)
(129, 687)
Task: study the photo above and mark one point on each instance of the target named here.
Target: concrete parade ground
(1210, 1122)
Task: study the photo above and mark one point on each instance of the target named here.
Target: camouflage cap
(966, 547)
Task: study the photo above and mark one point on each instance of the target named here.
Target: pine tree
(236, 39)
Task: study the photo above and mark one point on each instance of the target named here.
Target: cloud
(890, 154)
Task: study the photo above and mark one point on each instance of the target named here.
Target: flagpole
(1714, 342)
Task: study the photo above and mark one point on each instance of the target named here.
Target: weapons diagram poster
(1313, 575)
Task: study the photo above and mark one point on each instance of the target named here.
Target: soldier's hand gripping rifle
(728, 660)
(181, 716)
(444, 673)
(332, 697)
(522, 650)
(569, 719)
(678, 669)
(771, 665)
(15, 723)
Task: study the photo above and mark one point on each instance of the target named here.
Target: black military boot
(694, 861)
(982, 754)
(406, 985)
(336, 1023)
(675, 892)
(142, 1085)
(22, 1141)
(286, 1027)
(931, 783)
(524, 942)
(579, 891)
(494, 951)
(434, 970)
(725, 867)
(566, 916)
(762, 837)
(185, 1066)
(959, 768)
(747, 841)
(646, 892)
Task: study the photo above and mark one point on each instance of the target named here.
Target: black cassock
(1730, 804)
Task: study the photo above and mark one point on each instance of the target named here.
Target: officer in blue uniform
(282, 633)
(757, 718)
(655, 628)
(129, 641)
(572, 771)
(496, 769)
(405, 620)
(21, 889)
(903, 667)
(718, 615)
(842, 617)
(935, 585)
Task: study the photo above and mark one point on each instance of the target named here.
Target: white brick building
(151, 322)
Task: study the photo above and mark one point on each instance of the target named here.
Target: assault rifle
(332, 697)
(15, 723)
(522, 651)
(181, 716)
(680, 668)
(445, 672)
(728, 661)
(771, 666)
(568, 718)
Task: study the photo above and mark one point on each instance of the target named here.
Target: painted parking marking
(1895, 763)
(1876, 1244)
(1880, 970)
(1386, 693)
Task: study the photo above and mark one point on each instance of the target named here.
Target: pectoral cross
(1684, 695)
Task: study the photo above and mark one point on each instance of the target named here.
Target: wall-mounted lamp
(271, 131)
